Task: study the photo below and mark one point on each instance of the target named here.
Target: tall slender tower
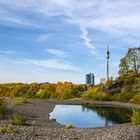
(107, 63)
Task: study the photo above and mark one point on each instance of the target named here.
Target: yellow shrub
(69, 126)
(3, 129)
(135, 118)
(135, 99)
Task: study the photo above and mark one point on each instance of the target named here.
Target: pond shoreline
(96, 103)
(37, 111)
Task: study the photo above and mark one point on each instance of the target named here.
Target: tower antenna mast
(107, 63)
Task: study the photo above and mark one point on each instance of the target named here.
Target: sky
(62, 40)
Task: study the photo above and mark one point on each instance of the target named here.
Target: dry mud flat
(41, 128)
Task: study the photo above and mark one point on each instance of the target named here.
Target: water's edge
(93, 103)
(96, 103)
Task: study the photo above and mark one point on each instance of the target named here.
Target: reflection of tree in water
(110, 114)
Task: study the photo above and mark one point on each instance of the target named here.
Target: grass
(18, 119)
(69, 126)
(135, 118)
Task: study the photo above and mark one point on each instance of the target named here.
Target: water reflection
(115, 115)
(89, 116)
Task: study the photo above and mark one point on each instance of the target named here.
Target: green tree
(131, 62)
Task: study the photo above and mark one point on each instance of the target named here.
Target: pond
(89, 116)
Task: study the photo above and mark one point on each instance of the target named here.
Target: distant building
(102, 80)
(90, 79)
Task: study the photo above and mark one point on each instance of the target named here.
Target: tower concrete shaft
(107, 63)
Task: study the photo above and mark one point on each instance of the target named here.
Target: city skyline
(62, 40)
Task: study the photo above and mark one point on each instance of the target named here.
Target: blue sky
(62, 40)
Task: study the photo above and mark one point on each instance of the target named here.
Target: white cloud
(119, 17)
(9, 52)
(57, 53)
(51, 63)
(12, 18)
(88, 41)
(44, 37)
(92, 14)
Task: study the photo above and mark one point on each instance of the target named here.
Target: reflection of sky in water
(75, 115)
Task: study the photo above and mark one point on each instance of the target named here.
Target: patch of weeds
(69, 126)
(3, 129)
(135, 118)
(9, 129)
(33, 131)
(18, 119)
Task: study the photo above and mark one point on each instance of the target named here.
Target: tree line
(124, 88)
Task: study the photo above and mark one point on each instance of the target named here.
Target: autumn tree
(131, 62)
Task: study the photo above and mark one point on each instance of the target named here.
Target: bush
(135, 99)
(96, 96)
(126, 89)
(100, 97)
(123, 97)
(43, 93)
(20, 100)
(69, 93)
(115, 97)
(18, 119)
(3, 130)
(9, 129)
(3, 107)
(135, 118)
(69, 126)
(86, 96)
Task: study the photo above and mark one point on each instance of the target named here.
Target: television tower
(107, 63)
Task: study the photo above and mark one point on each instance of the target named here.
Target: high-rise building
(90, 79)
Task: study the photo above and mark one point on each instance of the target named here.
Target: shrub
(3, 130)
(87, 96)
(115, 97)
(100, 97)
(135, 118)
(69, 126)
(126, 89)
(18, 119)
(20, 100)
(124, 97)
(69, 92)
(135, 99)
(3, 107)
(9, 129)
(96, 96)
(43, 93)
